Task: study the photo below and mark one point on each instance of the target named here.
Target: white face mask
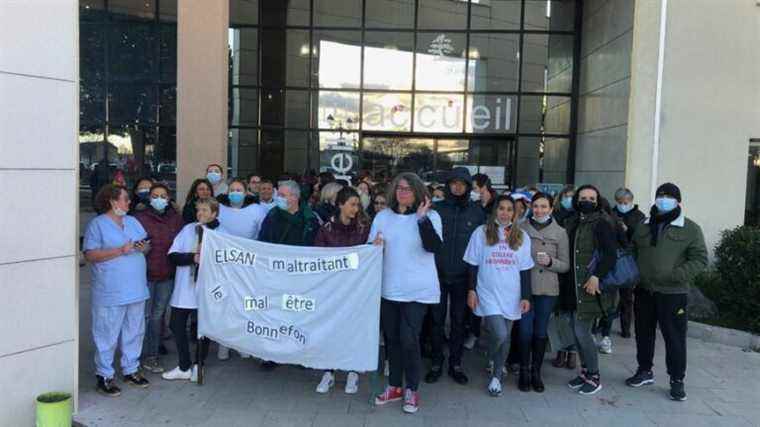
(118, 211)
(542, 220)
(507, 224)
(474, 196)
(364, 200)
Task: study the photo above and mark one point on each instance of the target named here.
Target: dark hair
(193, 188)
(160, 185)
(414, 181)
(139, 180)
(482, 180)
(238, 180)
(107, 193)
(343, 196)
(586, 187)
(325, 177)
(515, 238)
(541, 195)
(266, 181)
(221, 169)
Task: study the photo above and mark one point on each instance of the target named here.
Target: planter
(54, 410)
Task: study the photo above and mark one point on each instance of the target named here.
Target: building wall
(38, 224)
(710, 108)
(604, 93)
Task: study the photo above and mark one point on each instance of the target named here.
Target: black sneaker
(578, 381)
(677, 390)
(106, 387)
(434, 374)
(640, 379)
(457, 374)
(592, 386)
(136, 380)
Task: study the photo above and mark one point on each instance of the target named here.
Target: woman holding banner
(411, 233)
(185, 254)
(349, 227)
(500, 283)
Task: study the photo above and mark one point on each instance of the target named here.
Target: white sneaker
(352, 383)
(194, 375)
(494, 387)
(177, 374)
(470, 342)
(605, 345)
(223, 353)
(245, 356)
(328, 380)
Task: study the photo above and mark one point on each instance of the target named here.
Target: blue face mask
(665, 204)
(159, 203)
(236, 197)
(567, 203)
(281, 202)
(143, 194)
(624, 207)
(214, 177)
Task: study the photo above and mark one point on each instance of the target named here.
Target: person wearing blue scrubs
(115, 245)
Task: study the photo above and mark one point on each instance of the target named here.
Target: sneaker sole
(598, 389)
(384, 402)
(678, 400)
(177, 379)
(101, 392)
(575, 387)
(410, 409)
(641, 384)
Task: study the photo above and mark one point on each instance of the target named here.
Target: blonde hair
(329, 192)
(515, 236)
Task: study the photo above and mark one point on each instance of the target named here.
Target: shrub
(736, 289)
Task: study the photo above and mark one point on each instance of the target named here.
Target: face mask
(665, 204)
(236, 197)
(541, 219)
(567, 203)
(281, 202)
(214, 177)
(586, 207)
(624, 208)
(503, 224)
(365, 200)
(118, 211)
(159, 203)
(143, 194)
(437, 199)
(474, 196)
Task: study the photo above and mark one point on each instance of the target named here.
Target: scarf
(658, 221)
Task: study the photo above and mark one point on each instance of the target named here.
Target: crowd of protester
(525, 267)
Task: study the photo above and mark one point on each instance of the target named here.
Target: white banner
(316, 307)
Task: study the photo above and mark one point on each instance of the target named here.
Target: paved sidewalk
(723, 386)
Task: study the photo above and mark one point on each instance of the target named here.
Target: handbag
(624, 275)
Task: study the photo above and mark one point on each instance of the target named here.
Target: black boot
(523, 383)
(539, 348)
(524, 349)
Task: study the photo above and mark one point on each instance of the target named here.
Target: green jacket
(587, 233)
(680, 255)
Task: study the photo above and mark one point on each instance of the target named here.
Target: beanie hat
(669, 189)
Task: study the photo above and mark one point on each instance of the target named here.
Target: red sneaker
(391, 394)
(411, 401)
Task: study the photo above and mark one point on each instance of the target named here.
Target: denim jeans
(535, 323)
(155, 307)
(402, 323)
(584, 341)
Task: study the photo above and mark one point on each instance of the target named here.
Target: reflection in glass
(388, 60)
(494, 62)
(434, 14)
(338, 153)
(549, 114)
(144, 10)
(167, 104)
(439, 113)
(296, 150)
(496, 15)
(298, 58)
(491, 113)
(389, 14)
(387, 111)
(547, 63)
(272, 107)
(440, 62)
(338, 13)
(130, 103)
(132, 51)
(243, 151)
(243, 12)
(168, 53)
(244, 59)
(296, 110)
(245, 107)
(554, 15)
(337, 110)
(337, 59)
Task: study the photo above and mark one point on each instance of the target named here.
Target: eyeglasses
(400, 189)
(379, 203)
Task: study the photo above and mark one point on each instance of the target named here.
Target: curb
(725, 336)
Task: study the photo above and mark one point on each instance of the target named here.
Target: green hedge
(734, 284)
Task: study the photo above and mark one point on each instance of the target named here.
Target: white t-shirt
(244, 222)
(268, 206)
(409, 273)
(499, 270)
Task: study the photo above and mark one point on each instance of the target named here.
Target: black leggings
(178, 325)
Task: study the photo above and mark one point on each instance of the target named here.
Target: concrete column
(39, 110)
(709, 108)
(202, 76)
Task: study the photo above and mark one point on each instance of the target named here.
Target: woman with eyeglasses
(411, 233)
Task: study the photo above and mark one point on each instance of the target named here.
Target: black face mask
(586, 207)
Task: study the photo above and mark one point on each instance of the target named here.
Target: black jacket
(631, 219)
(459, 217)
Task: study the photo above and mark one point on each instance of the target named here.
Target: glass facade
(400, 85)
(128, 67)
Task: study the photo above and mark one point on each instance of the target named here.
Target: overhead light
(305, 49)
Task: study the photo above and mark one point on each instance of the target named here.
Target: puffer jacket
(162, 228)
(459, 217)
